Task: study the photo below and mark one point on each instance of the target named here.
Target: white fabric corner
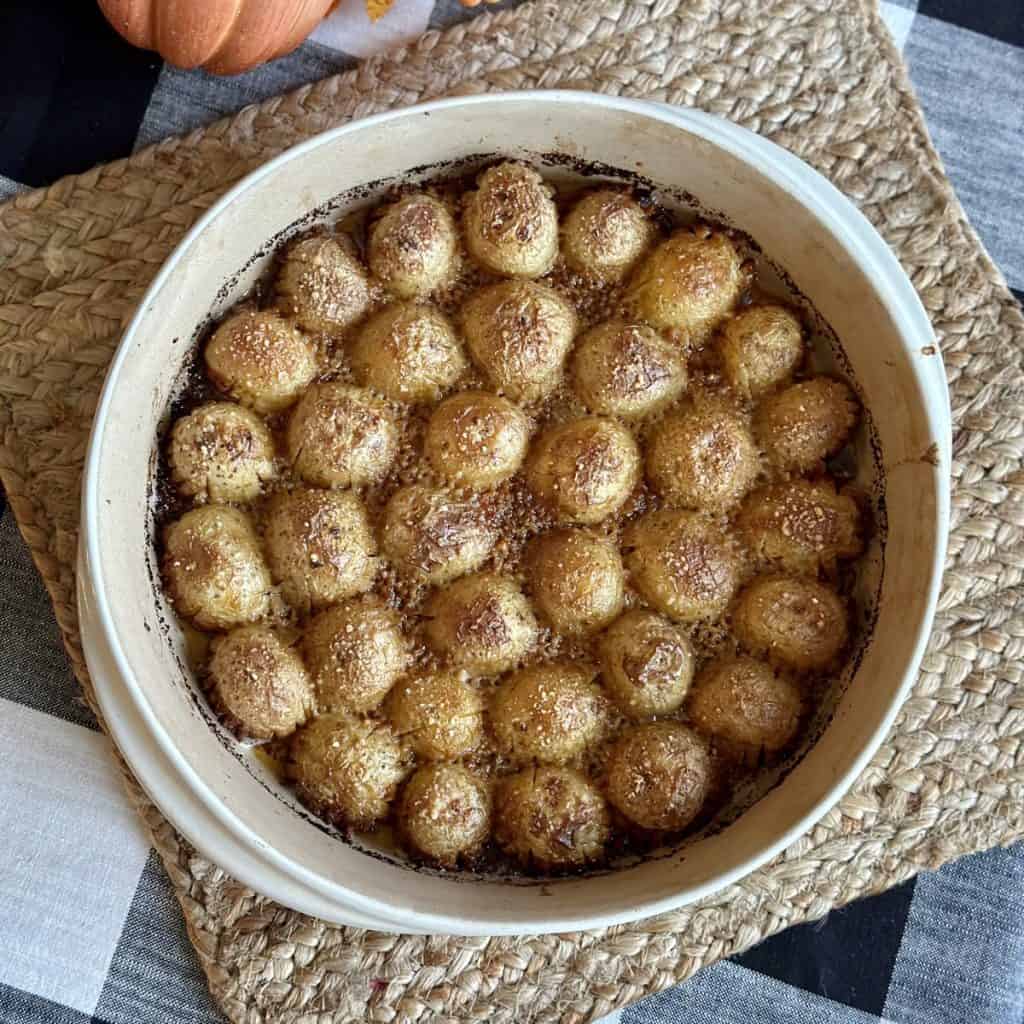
(73, 854)
(898, 20)
(350, 30)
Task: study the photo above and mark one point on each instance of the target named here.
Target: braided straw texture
(822, 79)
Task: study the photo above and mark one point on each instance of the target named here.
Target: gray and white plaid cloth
(89, 927)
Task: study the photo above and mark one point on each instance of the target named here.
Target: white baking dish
(220, 800)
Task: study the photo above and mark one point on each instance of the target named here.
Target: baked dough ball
(437, 535)
(444, 812)
(348, 769)
(794, 621)
(800, 427)
(550, 818)
(627, 370)
(408, 351)
(690, 283)
(412, 246)
(323, 285)
(702, 457)
(606, 233)
(221, 452)
(215, 572)
(476, 438)
(438, 715)
(761, 347)
(801, 525)
(510, 222)
(320, 546)
(481, 623)
(260, 359)
(659, 775)
(260, 683)
(518, 334)
(646, 664)
(682, 564)
(584, 470)
(548, 713)
(745, 702)
(355, 652)
(576, 580)
(340, 436)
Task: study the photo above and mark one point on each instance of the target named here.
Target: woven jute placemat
(821, 79)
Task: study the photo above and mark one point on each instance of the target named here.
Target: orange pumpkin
(223, 36)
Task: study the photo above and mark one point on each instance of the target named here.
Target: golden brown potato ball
(659, 775)
(437, 535)
(702, 457)
(320, 546)
(445, 812)
(341, 436)
(355, 652)
(646, 663)
(476, 438)
(221, 452)
(348, 769)
(800, 427)
(792, 620)
(584, 470)
(690, 283)
(438, 715)
(215, 571)
(576, 580)
(606, 233)
(481, 623)
(801, 525)
(260, 683)
(261, 359)
(408, 352)
(549, 817)
(627, 370)
(761, 347)
(548, 713)
(745, 702)
(323, 285)
(518, 334)
(412, 246)
(682, 564)
(510, 222)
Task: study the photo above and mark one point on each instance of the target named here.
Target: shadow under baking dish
(861, 464)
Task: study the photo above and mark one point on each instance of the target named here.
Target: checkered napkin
(89, 927)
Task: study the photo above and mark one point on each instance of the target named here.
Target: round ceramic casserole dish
(249, 824)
